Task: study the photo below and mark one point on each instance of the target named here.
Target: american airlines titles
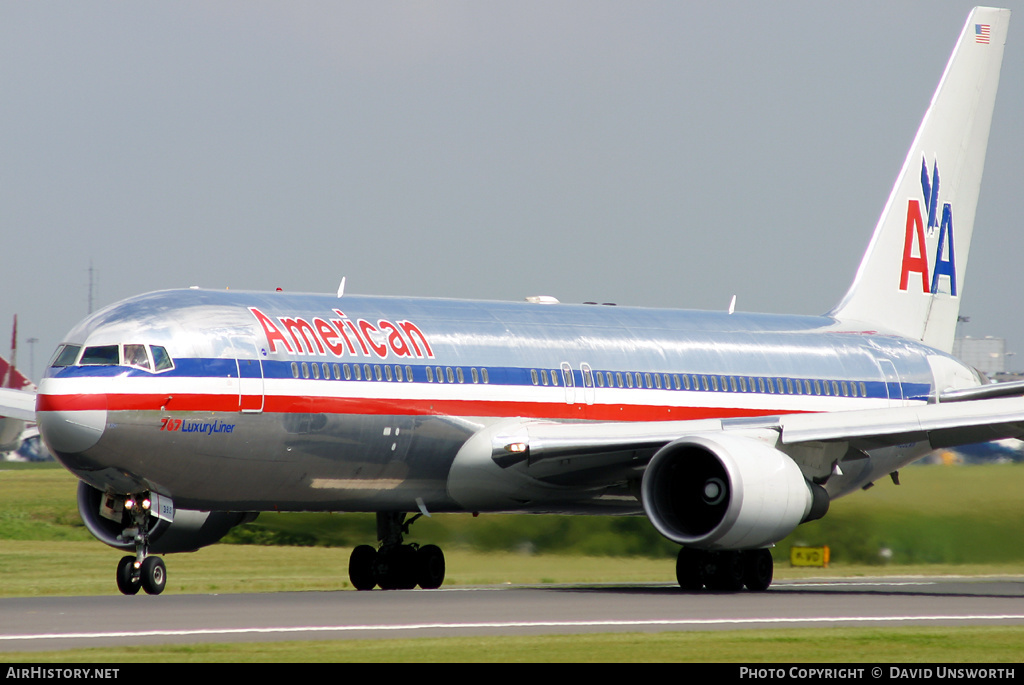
(341, 335)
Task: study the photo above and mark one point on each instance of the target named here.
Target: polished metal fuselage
(301, 402)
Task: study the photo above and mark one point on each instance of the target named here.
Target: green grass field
(941, 520)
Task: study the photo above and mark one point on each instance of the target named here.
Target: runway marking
(508, 624)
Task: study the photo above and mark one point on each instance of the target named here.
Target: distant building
(987, 354)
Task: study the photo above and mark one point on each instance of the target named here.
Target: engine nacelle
(189, 531)
(721, 491)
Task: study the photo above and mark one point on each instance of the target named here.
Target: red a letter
(919, 264)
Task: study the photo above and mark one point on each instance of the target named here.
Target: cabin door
(893, 385)
(250, 375)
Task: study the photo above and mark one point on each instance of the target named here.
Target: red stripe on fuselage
(288, 404)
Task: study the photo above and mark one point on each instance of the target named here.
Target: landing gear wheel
(396, 568)
(689, 567)
(758, 569)
(728, 573)
(127, 581)
(430, 567)
(154, 575)
(360, 567)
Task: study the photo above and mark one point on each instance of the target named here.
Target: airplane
(187, 412)
(17, 404)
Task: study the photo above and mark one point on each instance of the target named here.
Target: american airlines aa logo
(914, 244)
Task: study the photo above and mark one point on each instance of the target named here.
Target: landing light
(517, 447)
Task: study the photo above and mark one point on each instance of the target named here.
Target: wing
(588, 445)
(17, 404)
(722, 483)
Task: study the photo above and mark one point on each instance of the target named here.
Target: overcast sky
(667, 154)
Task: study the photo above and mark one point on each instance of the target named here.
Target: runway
(66, 622)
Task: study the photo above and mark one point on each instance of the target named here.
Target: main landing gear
(394, 565)
(725, 571)
(140, 571)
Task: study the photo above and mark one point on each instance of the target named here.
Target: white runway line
(511, 624)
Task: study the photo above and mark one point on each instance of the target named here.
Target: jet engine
(104, 517)
(721, 491)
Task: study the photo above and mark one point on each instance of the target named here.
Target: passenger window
(387, 372)
(101, 355)
(459, 376)
(863, 389)
(475, 374)
(66, 355)
(348, 372)
(295, 370)
(316, 371)
(359, 372)
(408, 373)
(449, 374)
(337, 372)
(430, 375)
(483, 374)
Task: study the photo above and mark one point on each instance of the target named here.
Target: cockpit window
(66, 355)
(161, 359)
(136, 355)
(100, 355)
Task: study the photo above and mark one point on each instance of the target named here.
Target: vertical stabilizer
(911, 277)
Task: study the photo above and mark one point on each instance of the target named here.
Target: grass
(971, 515)
(842, 645)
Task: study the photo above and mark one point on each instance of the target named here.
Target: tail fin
(10, 377)
(910, 279)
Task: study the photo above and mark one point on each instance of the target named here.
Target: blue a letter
(947, 266)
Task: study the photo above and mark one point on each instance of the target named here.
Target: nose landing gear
(140, 571)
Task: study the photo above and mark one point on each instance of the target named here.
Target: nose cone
(70, 424)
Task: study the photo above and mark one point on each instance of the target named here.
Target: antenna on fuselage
(341, 288)
(732, 304)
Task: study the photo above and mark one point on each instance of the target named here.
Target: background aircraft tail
(911, 277)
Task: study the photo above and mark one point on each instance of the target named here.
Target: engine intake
(189, 531)
(721, 491)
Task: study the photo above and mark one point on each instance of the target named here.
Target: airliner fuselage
(275, 401)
